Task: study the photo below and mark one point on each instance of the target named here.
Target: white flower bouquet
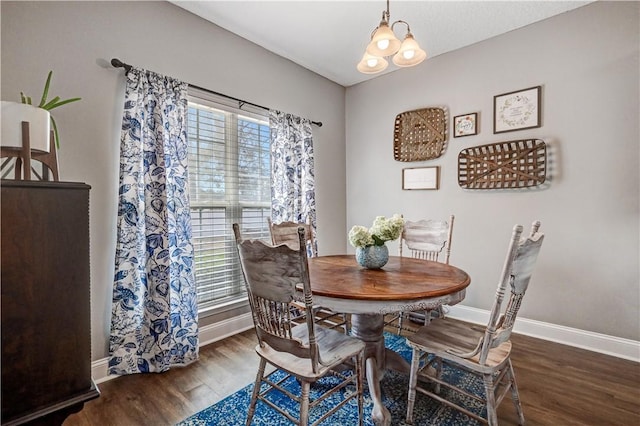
(383, 230)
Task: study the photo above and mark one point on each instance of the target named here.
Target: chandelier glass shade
(410, 53)
(372, 64)
(384, 43)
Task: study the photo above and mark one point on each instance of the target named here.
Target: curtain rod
(117, 63)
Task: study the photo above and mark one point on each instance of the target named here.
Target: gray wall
(586, 60)
(77, 39)
(587, 63)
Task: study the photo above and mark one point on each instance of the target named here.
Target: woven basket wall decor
(513, 164)
(420, 134)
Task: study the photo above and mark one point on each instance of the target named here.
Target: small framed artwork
(421, 178)
(517, 110)
(465, 125)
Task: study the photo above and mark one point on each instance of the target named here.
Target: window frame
(231, 201)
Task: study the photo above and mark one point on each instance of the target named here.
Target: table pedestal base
(369, 329)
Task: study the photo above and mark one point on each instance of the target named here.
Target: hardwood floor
(559, 385)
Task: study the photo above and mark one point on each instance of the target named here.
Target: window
(229, 181)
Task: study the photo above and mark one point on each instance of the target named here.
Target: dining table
(403, 284)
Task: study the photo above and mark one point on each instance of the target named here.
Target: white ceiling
(329, 37)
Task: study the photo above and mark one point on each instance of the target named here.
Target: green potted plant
(39, 117)
(49, 105)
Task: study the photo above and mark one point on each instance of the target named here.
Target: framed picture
(465, 125)
(421, 178)
(517, 110)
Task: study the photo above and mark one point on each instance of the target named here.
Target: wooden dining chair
(287, 233)
(275, 276)
(484, 352)
(428, 240)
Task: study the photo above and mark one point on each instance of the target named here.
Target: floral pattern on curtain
(154, 322)
(293, 196)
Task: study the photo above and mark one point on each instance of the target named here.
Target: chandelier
(384, 43)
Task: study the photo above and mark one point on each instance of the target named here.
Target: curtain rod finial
(117, 63)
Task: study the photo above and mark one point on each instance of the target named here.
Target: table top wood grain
(402, 278)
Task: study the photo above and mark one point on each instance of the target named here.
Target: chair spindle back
(272, 276)
(428, 239)
(516, 274)
(287, 233)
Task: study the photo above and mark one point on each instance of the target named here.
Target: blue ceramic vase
(372, 257)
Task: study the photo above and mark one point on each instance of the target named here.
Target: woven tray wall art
(512, 164)
(420, 134)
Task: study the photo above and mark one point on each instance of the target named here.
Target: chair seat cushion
(445, 335)
(335, 348)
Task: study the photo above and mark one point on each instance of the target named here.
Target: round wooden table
(403, 284)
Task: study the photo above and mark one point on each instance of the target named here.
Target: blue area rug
(232, 411)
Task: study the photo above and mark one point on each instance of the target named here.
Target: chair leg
(427, 317)
(359, 387)
(304, 403)
(413, 381)
(436, 389)
(347, 330)
(515, 395)
(489, 389)
(400, 318)
(256, 391)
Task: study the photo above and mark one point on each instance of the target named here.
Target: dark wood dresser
(46, 311)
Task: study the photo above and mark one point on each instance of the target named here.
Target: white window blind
(229, 181)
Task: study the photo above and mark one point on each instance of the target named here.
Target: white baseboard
(223, 329)
(100, 371)
(208, 334)
(596, 342)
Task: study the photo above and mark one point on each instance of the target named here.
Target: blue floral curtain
(293, 196)
(154, 322)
